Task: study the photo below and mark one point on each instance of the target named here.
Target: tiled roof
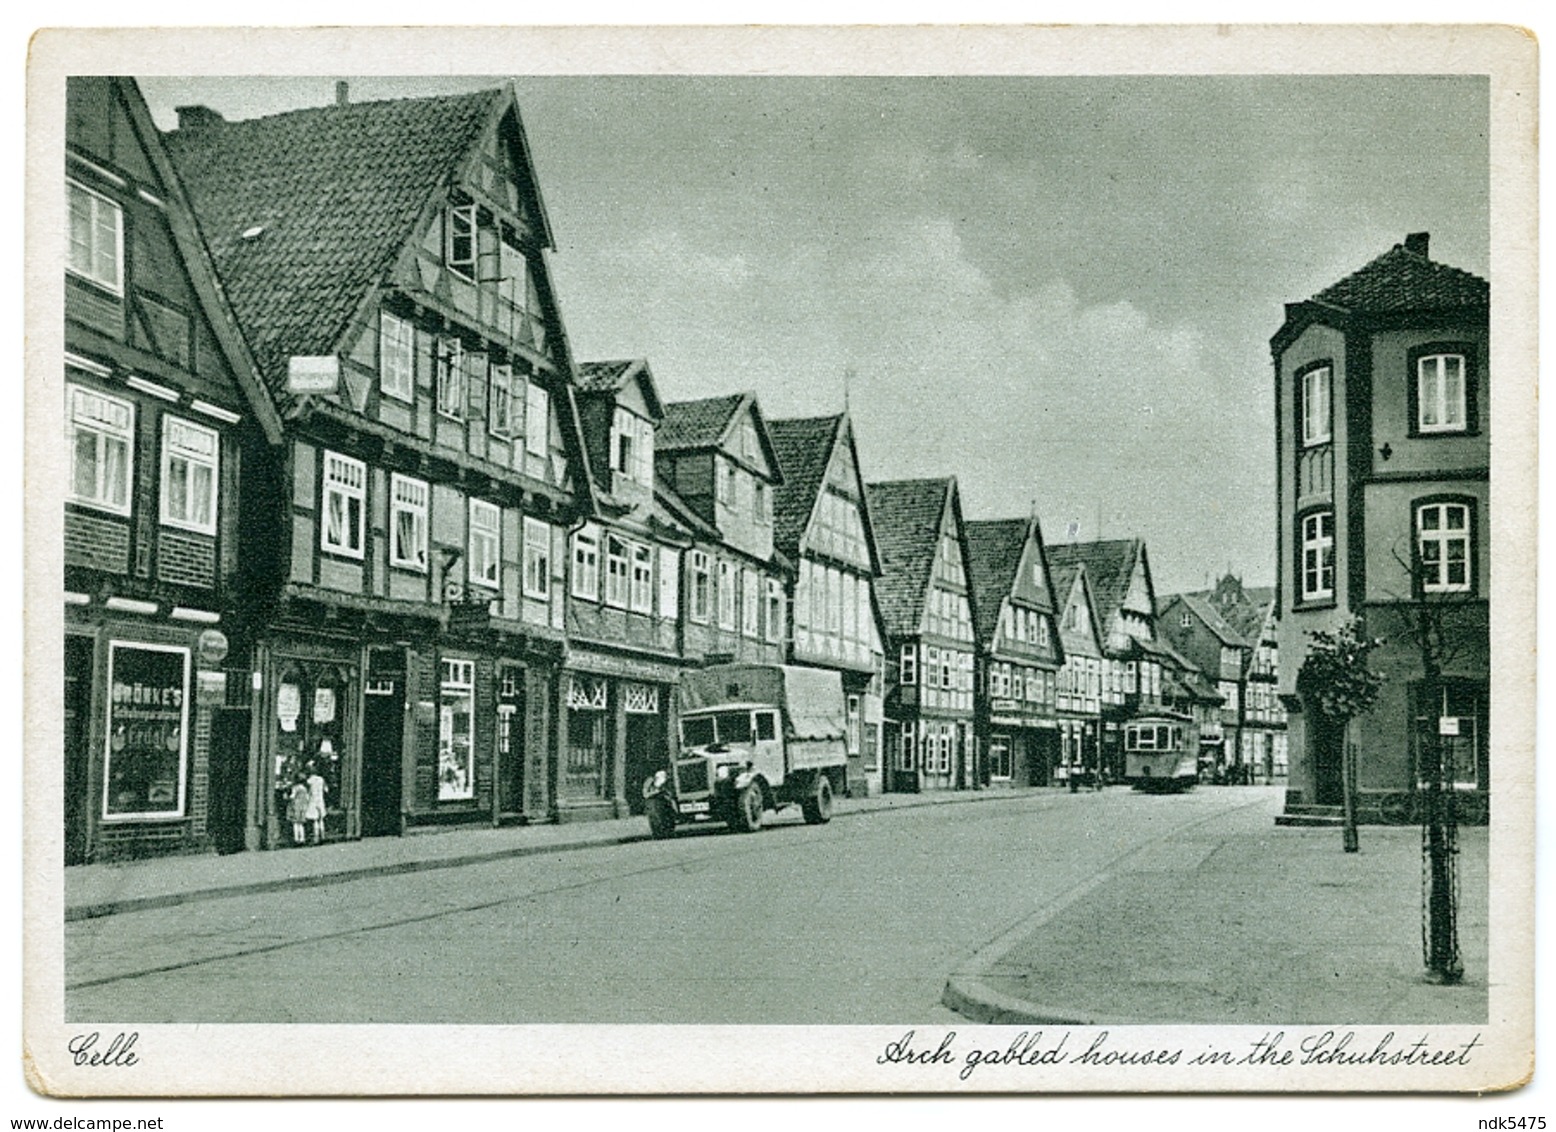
(605, 377)
(994, 549)
(696, 424)
(1064, 581)
(1226, 632)
(334, 192)
(804, 448)
(1109, 566)
(906, 516)
(1403, 279)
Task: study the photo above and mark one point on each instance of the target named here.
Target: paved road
(859, 921)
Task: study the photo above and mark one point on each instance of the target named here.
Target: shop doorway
(510, 741)
(645, 743)
(383, 735)
(78, 756)
(229, 779)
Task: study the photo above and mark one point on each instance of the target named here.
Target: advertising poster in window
(143, 772)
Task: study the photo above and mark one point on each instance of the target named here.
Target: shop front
(618, 724)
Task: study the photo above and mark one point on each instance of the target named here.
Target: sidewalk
(129, 886)
(1236, 921)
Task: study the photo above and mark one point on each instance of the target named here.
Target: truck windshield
(697, 732)
(734, 726)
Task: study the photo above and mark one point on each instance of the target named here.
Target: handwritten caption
(1274, 1049)
(117, 1053)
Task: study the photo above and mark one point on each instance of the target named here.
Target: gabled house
(926, 606)
(821, 523)
(1084, 687)
(386, 264)
(168, 532)
(624, 603)
(1119, 573)
(1019, 653)
(716, 457)
(1383, 459)
(1197, 630)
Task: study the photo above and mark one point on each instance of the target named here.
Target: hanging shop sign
(148, 715)
(211, 648)
(312, 374)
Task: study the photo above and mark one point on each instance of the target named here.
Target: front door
(229, 779)
(510, 741)
(78, 755)
(645, 741)
(1326, 747)
(383, 734)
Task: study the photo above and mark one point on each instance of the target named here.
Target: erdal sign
(312, 374)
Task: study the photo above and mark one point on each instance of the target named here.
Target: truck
(753, 738)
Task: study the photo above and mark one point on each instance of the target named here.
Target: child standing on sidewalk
(316, 809)
(297, 810)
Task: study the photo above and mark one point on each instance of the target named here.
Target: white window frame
(485, 545)
(96, 203)
(176, 449)
(669, 583)
(499, 401)
(1437, 384)
(728, 596)
(411, 497)
(750, 604)
(586, 563)
(774, 610)
(618, 571)
(1318, 557)
(457, 217)
(1317, 406)
(396, 357)
(907, 665)
(114, 648)
(1441, 537)
(457, 683)
(448, 371)
(700, 572)
(906, 755)
(537, 559)
(343, 479)
(106, 433)
(641, 591)
(537, 419)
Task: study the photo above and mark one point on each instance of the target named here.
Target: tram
(1161, 753)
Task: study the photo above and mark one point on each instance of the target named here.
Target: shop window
(582, 773)
(999, 757)
(408, 523)
(1454, 716)
(345, 502)
(396, 351)
(96, 251)
(102, 445)
(456, 731)
(147, 728)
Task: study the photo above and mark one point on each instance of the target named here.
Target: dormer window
(632, 447)
(459, 240)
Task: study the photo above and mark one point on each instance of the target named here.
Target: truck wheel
(817, 807)
(748, 809)
(661, 818)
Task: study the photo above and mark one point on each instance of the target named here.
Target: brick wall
(97, 542)
(185, 558)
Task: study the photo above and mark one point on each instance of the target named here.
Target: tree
(1336, 679)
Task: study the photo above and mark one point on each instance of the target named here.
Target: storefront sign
(211, 648)
(143, 771)
(312, 374)
(210, 688)
(324, 705)
(618, 666)
(1448, 725)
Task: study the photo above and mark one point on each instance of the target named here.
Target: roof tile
(905, 515)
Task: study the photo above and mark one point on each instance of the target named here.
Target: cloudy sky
(1059, 290)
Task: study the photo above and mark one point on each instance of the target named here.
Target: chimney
(342, 93)
(196, 119)
(1417, 242)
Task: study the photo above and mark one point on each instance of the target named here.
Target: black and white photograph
(780, 561)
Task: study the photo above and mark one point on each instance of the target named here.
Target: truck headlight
(660, 778)
(721, 773)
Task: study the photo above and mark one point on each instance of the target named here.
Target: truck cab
(752, 738)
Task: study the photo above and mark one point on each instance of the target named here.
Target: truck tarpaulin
(812, 698)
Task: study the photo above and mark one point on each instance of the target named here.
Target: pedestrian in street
(297, 810)
(315, 803)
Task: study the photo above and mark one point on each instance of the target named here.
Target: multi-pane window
(908, 667)
(750, 603)
(642, 578)
(617, 567)
(774, 610)
(537, 559)
(701, 585)
(499, 402)
(102, 445)
(1440, 393)
(408, 523)
(586, 563)
(1443, 534)
(396, 354)
(906, 759)
(96, 238)
(456, 731)
(1316, 387)
(345, 504)
(1318, 555)
(669, 582)
(727, 597)
(485, 543)
(459, 240)
(190, 454)
(449, 371)
(632, 447)
(537, 419)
